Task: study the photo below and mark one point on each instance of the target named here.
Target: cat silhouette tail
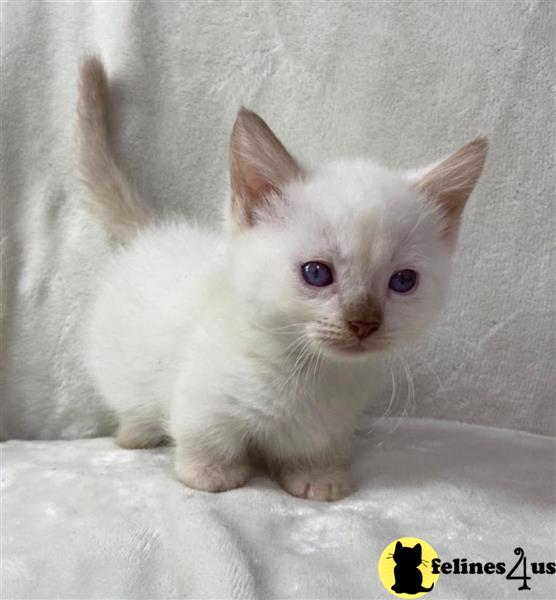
(424, 589)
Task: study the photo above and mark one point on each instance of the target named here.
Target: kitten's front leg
(211, 465)
(317, 483)
(324, 478)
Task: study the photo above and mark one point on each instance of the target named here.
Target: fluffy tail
(113, 200)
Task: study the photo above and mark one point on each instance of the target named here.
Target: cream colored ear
(259, 167)
(450, 182)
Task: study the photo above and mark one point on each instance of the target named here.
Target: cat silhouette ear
(260, 166)
(398, 546)
(450, 182)
(418, 549)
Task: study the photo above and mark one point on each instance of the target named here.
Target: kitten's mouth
(348, 346)
(346, 349)
(354, 348)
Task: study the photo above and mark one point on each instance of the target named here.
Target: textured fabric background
(404, 82)
(111, 523)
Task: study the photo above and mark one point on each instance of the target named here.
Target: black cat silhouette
(408, 577)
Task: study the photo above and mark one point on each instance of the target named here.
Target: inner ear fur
(450, 182)
(260, 167)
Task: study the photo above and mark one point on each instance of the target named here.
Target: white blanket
(85, 519)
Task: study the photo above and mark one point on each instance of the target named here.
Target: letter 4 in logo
(405, 567)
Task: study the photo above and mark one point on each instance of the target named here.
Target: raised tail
(113, 200)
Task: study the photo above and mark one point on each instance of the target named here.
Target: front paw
(326, 485)
(212, 476)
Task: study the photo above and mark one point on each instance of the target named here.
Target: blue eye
(317, 274)
(403, 281)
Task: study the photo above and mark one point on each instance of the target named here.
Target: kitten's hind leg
(135, 433)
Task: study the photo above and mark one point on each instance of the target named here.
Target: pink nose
(363, 329)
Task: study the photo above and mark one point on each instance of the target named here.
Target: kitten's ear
(398, 546)
(450, 182)
(260, 166)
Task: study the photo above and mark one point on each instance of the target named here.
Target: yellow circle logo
(405, 567)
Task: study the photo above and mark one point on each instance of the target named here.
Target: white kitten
(261, 341)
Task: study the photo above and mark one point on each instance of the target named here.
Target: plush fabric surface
(404, 82)
(85, 519)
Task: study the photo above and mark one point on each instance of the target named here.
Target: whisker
(410, 398)
(285, 329)
(387, 412)
(435, 374)
(411, 388)
(317, 370)
(298, 366)
(392, 395)
(302, 366)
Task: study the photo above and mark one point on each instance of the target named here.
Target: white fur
(193, 331)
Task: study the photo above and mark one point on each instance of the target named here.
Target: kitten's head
(352, 256)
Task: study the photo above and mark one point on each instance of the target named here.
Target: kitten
(261, 340)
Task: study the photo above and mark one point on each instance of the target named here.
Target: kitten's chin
(354, 351)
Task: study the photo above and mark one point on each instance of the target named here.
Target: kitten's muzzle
(363, 317)
(363, 329)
